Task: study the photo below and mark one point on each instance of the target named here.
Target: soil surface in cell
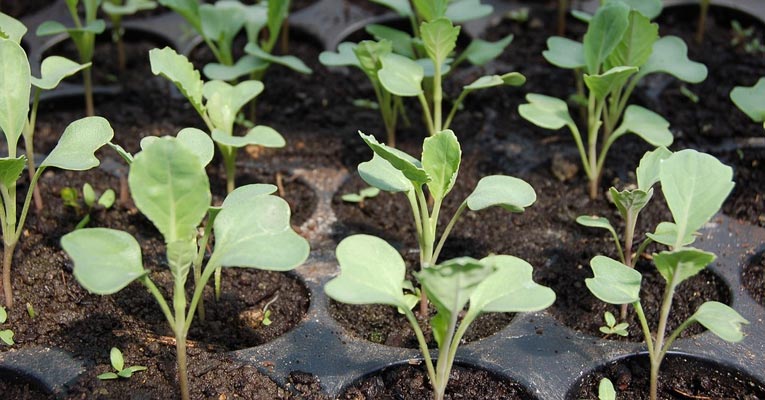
(753, 278)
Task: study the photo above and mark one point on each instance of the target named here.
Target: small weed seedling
(399, 64)
(171, 188)
(74, 151)
(6, 335)
(91, 200)
(612, 328)
(116, 10)
(118, 363)
(218, 103)
(363, 194)
(394, 171)
(751, 100)
(373, 272)
(694, 185)
(620, 48)
(606, 390)
(83, 34)
(744, 37)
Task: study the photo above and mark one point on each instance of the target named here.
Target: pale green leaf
(637, 44)
(288, 61)
(604, 33)
(678, 265)
(614, 282)
(592, 221)
(181, 72)
(115, 356)
(650, 126)
(670, 56)
(429, 10)
(107, 199)
(439, 38)
(546, 112)
(564, 53)
(402, 41)
(606, 390)
(382, 175)
(198, 143)
(107, 376)
(441, 156)
(11, 169)
(6, 336)
(400, 75)
(224, 101)
(369, 55)
(189, 9)
(408, 165)
(221, 21)
(401, 7)
(721, 320)
(15, 86)
(650, 166)
(649, 8)
(54, 69)
(180, 255)
(467, 10)
(11, 28)
(510, 288)
(450, 284)
(244, 66)
(510, 193)
(88, 195)
(751, 100)
(129, 7)
(260, 135)
(666, 234)
(630, 202)
(344, 56)
(3, 315)
(77, 145)
(612, 80)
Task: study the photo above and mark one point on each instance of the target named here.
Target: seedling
(400, 64)
(74, 151)
(363, 194)
(118, 363)
(83, 34)
(703, 12)
(218, 103)
(520, 15)
(6, 335)
(373, 272)
(606, 390)
(267, 313)
(392, 170)
(31, 311)
(694, 185)
(620, 48)
(612, 328)
(116, 10)
(91, 200)
(171, 188)
(750, 100)
(745, 37)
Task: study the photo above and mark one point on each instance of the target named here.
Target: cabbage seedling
(118, 363)
(392, 170)
(218, 103)
(363, 194)
(620, 48)
(74, 151)
(399, 64)
(694, 185)
(83, 34)
(91, 200)
(750, 100)
(116, 10)
(6, 335)
(373, 272)
(171, 188)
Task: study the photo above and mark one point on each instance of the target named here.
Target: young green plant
(6, 335)
(392, 170)
(750, 100)
(620, 48)
(71, 198)
(694, 185)
(171, 188)
(373, 272)
(83, 34)
(399, 64)
(118, 363)
(218, 103)
(116, 10)
(74, 151)
(363, 194)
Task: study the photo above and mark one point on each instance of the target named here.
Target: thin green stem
(415, 212)
(641, 248)
(179, 305)
(426, 111)
(455, 107)
(646, 330)
(448, 230)
(8, 249)
(438, 96)
(149, 284)
(671, 339)
(27, 201)
(199, 289)
(422, 343)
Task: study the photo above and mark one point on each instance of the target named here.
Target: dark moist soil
(22, 8)
(88, 326)
(680, 378)
(408, 382)
(753, 278)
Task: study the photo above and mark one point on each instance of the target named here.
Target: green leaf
(401, 7)
(510, 193)
(49, 28)
(678, 265)
(221, 22)
(722, 320)
(650, 166)
(369, 54)
(439, 38)
(430, 10)
(439, 323)
(247, 193)
(244, 66)
(631, 202)
(604, 84)
(695, 186)
(130, 7)
(670, 56)
(637, 44)
(344, 56)
(408, 165)
(614, 282)
(606, 390)
(10, 170)
(382, 175)
(129, 371)
(604, 33)
(592, 221)
(224, 101)
(107, 376)
(564, 53)
(371, 272)
(400, 75)
(480, 52)
(648, 8)
(253, 231)
(260, 135)
(650, 126)
(441, 155)
(489, 81)
(180, 255)
(15, 86)
(609, 318)
(11, 28)
(170, 186)
(288, 61)
(88, 195)
(750, 100)
(451, 284)
(546, 112)
(277, 13)
(198, 143)
(3, 315)
(666, 234)
(467, 10)
(115, 356)
(402, 41)
(54, 69)
(6, 336)
(177, 68)
(188, 9)
(107, 199)
(76, 147)
(105, 260)
(510, 288)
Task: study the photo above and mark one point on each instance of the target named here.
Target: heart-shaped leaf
(260, 135)
(345, 56)
(750, 100)
(290, 62)
(467, 10)
(480, 52)
(54, 69)
(564, 53)
(721, 320)
(105, 260)
(670, 56)
(652, 127)
(510, 193)
(181, 72)
(400, 75)
(15, 85)
(244, 66)
(441, 156)
(510, 288)
(681, 264)
(76, 147)
(546, 112)
(221, 21)
(614, 282)
(6, 336)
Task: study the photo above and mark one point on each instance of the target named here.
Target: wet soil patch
(679, 378)
(16, 387)
(411, 383)
(753, 278)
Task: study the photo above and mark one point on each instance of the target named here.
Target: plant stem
(455, 107)
(29, 133)
(428, 117)
(179, 303)
(562, 9)
(87, 81)
(422, 343)
(437, 99)
(8, 249)
(702, 21)
(229, 163)
(448, 230)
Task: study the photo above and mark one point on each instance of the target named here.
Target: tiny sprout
(267, 313)
(606, 390)
(520, 15)
(31, 311)
(91, 200)
(612, 327)
(6, 335)
(363, 194)
(693, 97)
(118, 363)
(366, 103)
